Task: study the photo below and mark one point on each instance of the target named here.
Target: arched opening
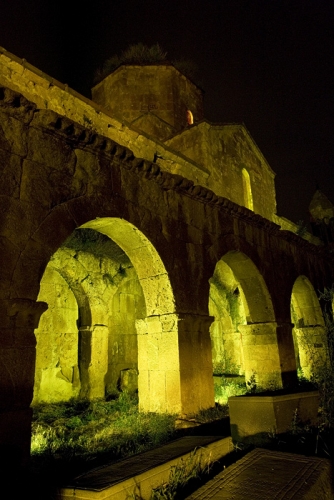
(109, 299)
(190, 117)
(309, 334)
(247, 189)
(243, 334)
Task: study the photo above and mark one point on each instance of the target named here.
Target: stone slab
(253, 418)
(268, 475)
(139, 474)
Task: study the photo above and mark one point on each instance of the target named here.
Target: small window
(246, 183)
(190, 118)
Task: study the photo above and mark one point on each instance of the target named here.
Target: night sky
(267, 63)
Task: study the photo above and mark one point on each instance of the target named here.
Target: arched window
(246, 183)
(190, 118)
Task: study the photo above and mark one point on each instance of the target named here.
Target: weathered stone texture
(161, 90)
(134, 295)
(47, 93)
(225, 150)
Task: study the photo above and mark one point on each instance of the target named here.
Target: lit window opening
(248, 197)
(190, 118)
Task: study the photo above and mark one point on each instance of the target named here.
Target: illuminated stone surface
(155, 98)
(186, 258)
(309, 333)
(253, 418)
(226, 150)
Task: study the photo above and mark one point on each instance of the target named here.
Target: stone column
(287, 354)
(158, 364)
(227, 348)
(175, 364)
(19, 318)
(268, 354)
(313, 350)
(93, 360)
(197, 389)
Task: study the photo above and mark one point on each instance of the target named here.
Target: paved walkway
(268, 475)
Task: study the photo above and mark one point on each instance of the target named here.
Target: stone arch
(158, 362)
(150, 269)
(247, 189)
(159, 381)
(259, 307)
(244, 330)
(227, 307)
(309, 334)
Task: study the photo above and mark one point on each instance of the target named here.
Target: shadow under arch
(246, 330)
(309, 333)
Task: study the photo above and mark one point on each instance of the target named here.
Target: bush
(323, 378)
(142, 54)
(134, 54)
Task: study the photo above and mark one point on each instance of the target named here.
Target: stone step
(139, 474)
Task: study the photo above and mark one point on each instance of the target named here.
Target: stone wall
(57, 176)
(225, 150)
(48, 93)
(132, 91)
(211, 156)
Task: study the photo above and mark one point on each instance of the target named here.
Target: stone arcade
(137, 238)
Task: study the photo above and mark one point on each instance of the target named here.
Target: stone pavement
(269, 475)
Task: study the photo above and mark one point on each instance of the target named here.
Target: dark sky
(267, 63)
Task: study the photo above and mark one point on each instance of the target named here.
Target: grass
(181, 475)
(85, 433)
(72, 437)
(229, 387)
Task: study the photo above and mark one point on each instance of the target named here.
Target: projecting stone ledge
(268, 475)
(138, 475)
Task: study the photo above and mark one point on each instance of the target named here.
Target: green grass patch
(77, 432)
(188, 470)
(72, 437)
(227, 387)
